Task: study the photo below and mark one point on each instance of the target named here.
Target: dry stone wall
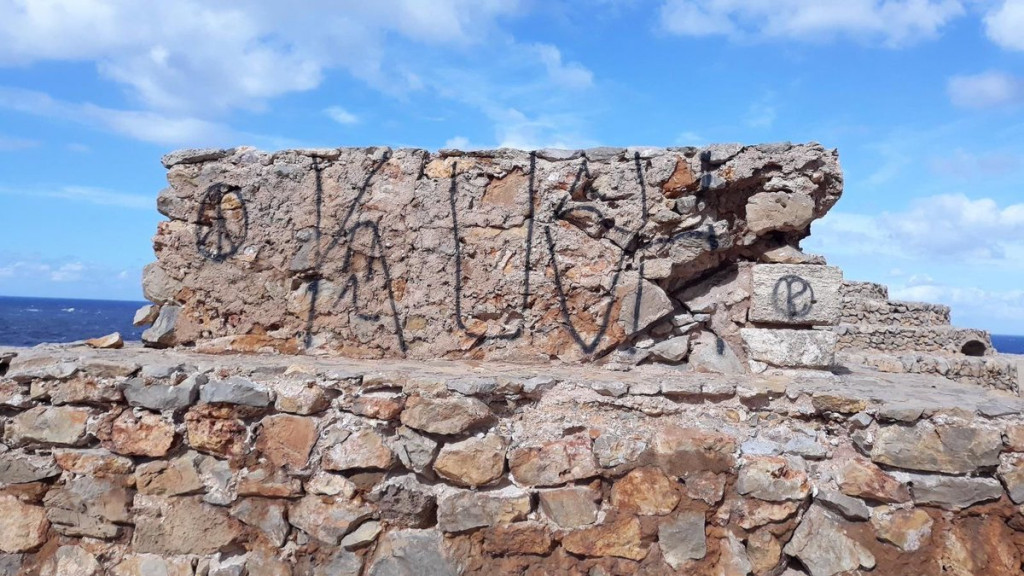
(142, 463)
(502, 254)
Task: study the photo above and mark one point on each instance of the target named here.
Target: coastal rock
(110, 341)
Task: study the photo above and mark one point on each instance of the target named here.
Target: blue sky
(923, 98)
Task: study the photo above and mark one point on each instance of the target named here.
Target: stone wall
(495, 255)
(142, 463)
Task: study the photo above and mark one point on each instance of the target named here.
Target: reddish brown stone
(379, 406)
(147, 434)
(862, 479)
(287, 440)
(646, 491)
(214, 432)
(554, 463)
(620, 538)
(518, 538)
(684, 451)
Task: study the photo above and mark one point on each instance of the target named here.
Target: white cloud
(986, 90)
(341, 116)
(893, 22)
(1004, 25)
(943, 226)
(85, 194)
(141, 125)
(570, 75)
(193, 57)
(1006, 307)
(69, 272)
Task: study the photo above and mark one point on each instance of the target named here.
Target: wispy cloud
(943, 226)
(894, 23)
(85, 194)
(990, 89)
(341, 116)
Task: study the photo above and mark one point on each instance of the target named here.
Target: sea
(31, 321)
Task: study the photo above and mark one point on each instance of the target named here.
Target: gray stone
(341, 563)
(760, 447)
(823, 547)
(157, 286)
(414, 451)
(718, 388)
(235, 390)
(952, 492)
(900, 412)
(161, 333)
(773, 479)
(10, 564)
(56, 425)
(161, 371)
(195, 156)
(851, 508)
(162, 397)
(463, 510)
(614, 389)
(24, 468)
(948, 449)
(570, 507)
(779, 211)
(798, 295)
(791, 348)
(265, 514)
(805, 447)
(612, 450)
(682, 539)
(860, 421)
(673, 349)
(1011, 473)
(711, 354)
(681, 387)
(146, 315)
(653, 306)
(362, 536)
(411, 553)
(472, 386)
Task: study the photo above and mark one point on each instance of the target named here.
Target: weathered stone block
(791, 348)
(799, 295)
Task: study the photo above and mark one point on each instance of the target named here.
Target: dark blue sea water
(31, 321)
(1008, 344)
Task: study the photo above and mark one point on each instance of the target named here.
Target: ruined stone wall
(152, 463)
(503, 254)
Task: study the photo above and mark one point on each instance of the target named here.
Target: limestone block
(796, 295)
(791, 348)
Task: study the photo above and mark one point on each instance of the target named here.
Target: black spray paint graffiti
(590, 346)
(222, 224)
(347, 234)
(459, 319)
(793, 296)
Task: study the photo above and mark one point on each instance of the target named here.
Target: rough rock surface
(500, 254)
(511, 469)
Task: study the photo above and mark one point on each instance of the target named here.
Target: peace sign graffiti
(793, 296)
(223, 222)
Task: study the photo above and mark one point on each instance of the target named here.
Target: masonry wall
(500, 255)
(137, 463)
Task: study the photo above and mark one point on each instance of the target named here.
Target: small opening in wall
(974, 348)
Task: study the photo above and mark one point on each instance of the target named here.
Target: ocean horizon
(28, 321)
